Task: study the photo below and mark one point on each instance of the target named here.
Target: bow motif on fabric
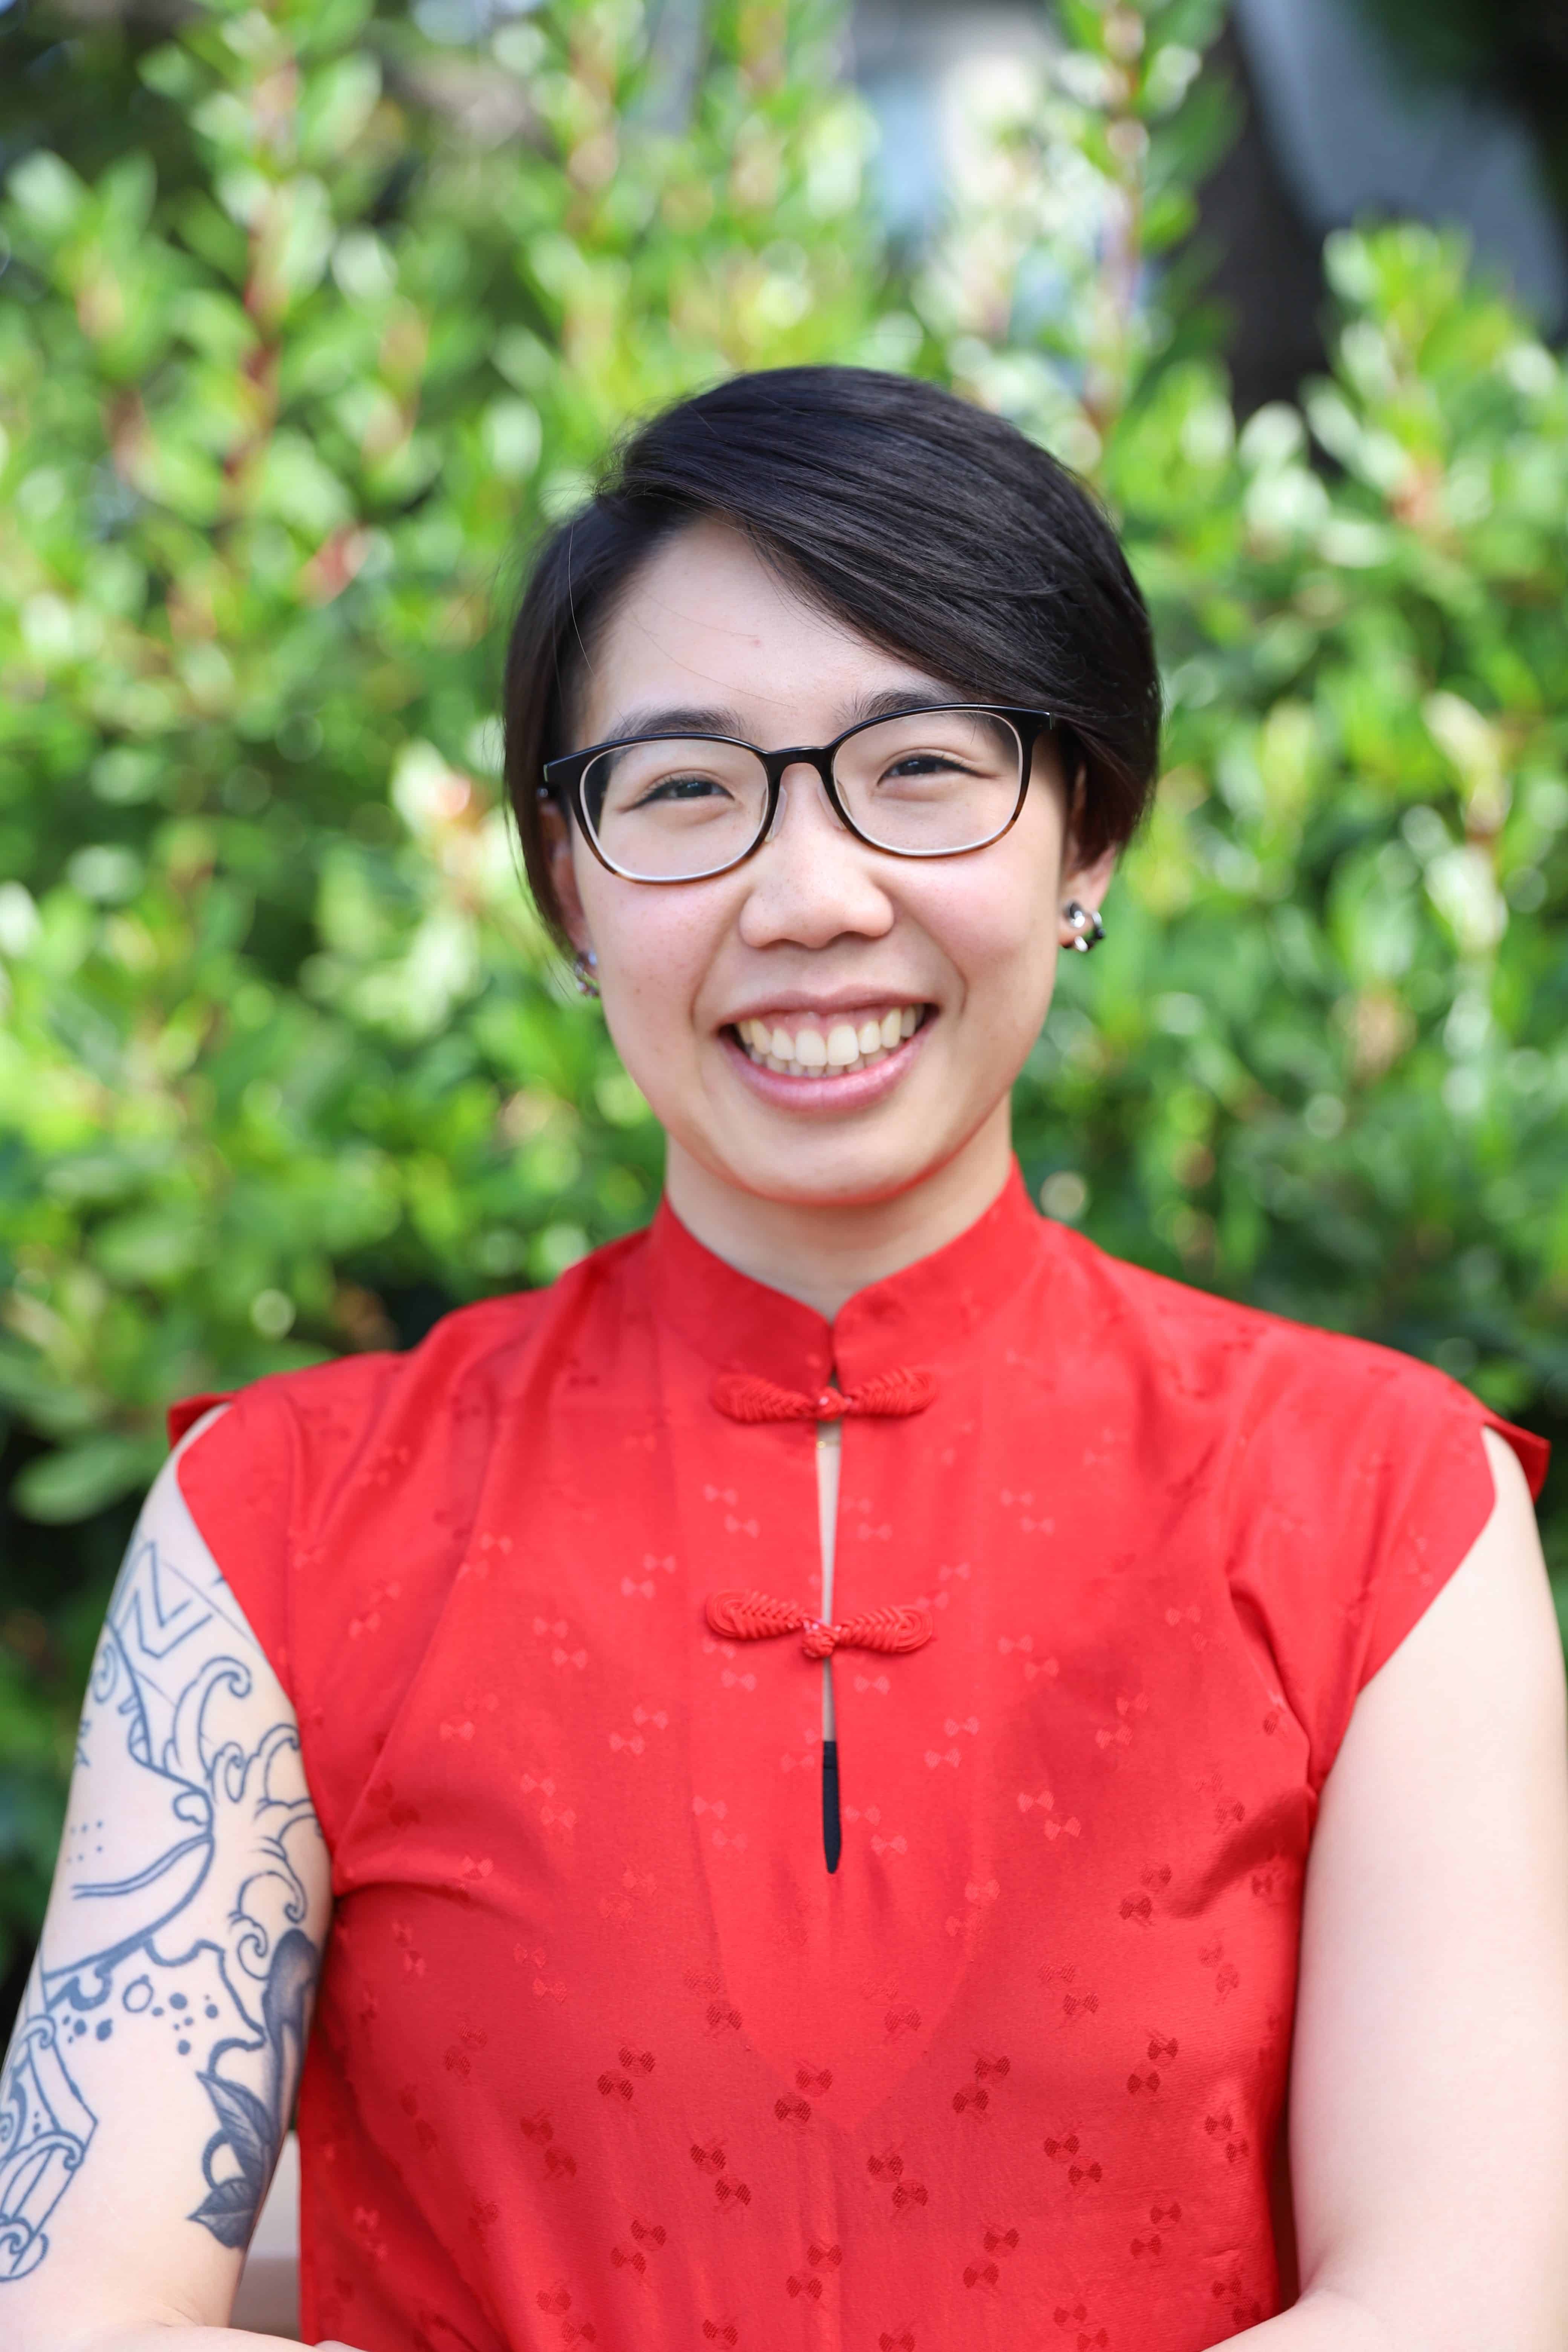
(746, 1396)
(758, 1617)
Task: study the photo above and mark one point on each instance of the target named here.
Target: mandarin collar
(918, 1316)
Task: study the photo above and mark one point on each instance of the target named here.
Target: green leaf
(48, 192)
(80, 1479)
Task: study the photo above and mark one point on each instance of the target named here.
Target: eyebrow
(694, 719)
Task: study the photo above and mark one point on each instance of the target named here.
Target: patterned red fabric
(605, 2055)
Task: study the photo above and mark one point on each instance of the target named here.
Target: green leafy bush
(287, 376)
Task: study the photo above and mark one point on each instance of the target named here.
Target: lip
(824, 1097)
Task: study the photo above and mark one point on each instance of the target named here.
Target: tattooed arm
(152, 2070)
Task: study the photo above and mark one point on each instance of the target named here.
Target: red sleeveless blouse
(604, 2055)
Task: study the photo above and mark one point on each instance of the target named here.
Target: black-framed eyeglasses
(928, 783)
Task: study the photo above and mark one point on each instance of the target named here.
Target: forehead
(706, 623)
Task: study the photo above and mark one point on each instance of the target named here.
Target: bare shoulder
(1433, 2015)
(154, 2065)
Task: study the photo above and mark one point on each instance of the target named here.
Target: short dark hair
(929, 527)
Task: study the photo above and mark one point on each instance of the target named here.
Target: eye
(925, 763)
(681, 787)
(925, 767)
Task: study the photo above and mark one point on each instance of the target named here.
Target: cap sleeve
(1448, 1499)
(1366, 1485)
(336, 1500)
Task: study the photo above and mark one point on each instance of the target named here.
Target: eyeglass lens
(923, 785)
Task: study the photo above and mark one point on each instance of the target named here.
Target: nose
(812, 881)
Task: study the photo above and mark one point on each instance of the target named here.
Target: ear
(1084, 879)
(1090, 882)
(555, 831)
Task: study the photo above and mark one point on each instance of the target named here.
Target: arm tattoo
(180, 1913)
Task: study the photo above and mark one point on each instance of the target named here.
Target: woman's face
(816, 934)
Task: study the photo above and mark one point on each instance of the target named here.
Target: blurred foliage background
(311, 311)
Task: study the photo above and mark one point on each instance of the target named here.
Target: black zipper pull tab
(832, 1828)
(829, 1435)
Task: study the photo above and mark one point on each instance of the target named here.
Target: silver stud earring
(585, 964)
(1084, 925)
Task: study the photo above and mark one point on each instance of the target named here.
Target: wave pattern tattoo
(182, 1896)
(44, 2127)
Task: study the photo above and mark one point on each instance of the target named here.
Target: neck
(823, 1254)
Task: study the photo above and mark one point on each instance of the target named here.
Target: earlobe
(1083, 890)
(1083, 927)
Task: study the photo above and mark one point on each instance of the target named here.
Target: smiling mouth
(799, 1045)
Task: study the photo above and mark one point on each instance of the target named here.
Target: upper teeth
(803, 1046)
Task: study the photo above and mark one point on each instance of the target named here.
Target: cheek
(997, 930)
(653, 947)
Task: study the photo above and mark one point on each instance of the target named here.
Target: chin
(819, 1176)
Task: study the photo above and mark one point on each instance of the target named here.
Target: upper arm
(1429, 2092)
(154, 2065)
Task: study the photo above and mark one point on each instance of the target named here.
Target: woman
(853, 1744)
